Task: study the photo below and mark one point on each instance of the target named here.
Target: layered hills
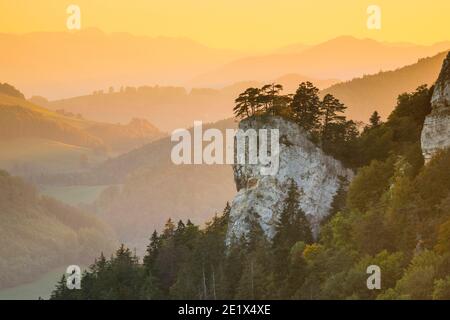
(40, 233)
(62, 64)
(62, 140)
(379, 91)
(173, 107)
(168, 107)
(147, 188)
(342, 58)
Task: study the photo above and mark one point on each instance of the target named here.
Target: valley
(84, 169)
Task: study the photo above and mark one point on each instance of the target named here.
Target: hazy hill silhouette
(33, 138)
(292, 48)
(20, 118)
(343, 58)
(122, 138)
(61, 64)
(174, 107)
(42, 234)
(147, 188)
(380, 91)
(65, 64)
(169, 107)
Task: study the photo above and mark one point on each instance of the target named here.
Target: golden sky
(238, 24)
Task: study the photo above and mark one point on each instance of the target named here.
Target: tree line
(322, 119)
(394, 214)
(187, 262)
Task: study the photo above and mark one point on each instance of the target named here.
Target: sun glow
(244, 25)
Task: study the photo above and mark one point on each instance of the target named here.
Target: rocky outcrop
(436, 128)
(317, 175)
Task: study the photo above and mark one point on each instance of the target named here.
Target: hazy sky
(238, 24)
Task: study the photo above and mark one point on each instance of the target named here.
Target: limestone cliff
(436, 128)
(317, 175)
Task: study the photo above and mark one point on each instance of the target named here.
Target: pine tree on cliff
(375, 119)
(331, 110)
(247, 104)
(305, 107)
(270, 97)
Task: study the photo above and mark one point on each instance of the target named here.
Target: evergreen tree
(169, 229)
(339, 199)
(152, 251)
(331, 110)
(291, 227)
(253, 281)
(61, 292)
(255, 235)
(305, 107)
(248, 103)
(223, 221)
(269, 97)
(375, 119)
(233, 266)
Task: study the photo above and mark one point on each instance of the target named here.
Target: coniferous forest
(394, 214)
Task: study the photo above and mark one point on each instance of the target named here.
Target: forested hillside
(396, 215)
(23, 119)
(379, 91)
(36, 141)
(362, 95)
(39, 233)
(153, 188)
(123, 138)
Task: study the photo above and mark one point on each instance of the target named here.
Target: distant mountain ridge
(380, 91)
(65, 64)
(62, 64)
(343, 58)
(175, 107)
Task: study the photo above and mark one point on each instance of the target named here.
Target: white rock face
(436, 128)
(316, 174)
